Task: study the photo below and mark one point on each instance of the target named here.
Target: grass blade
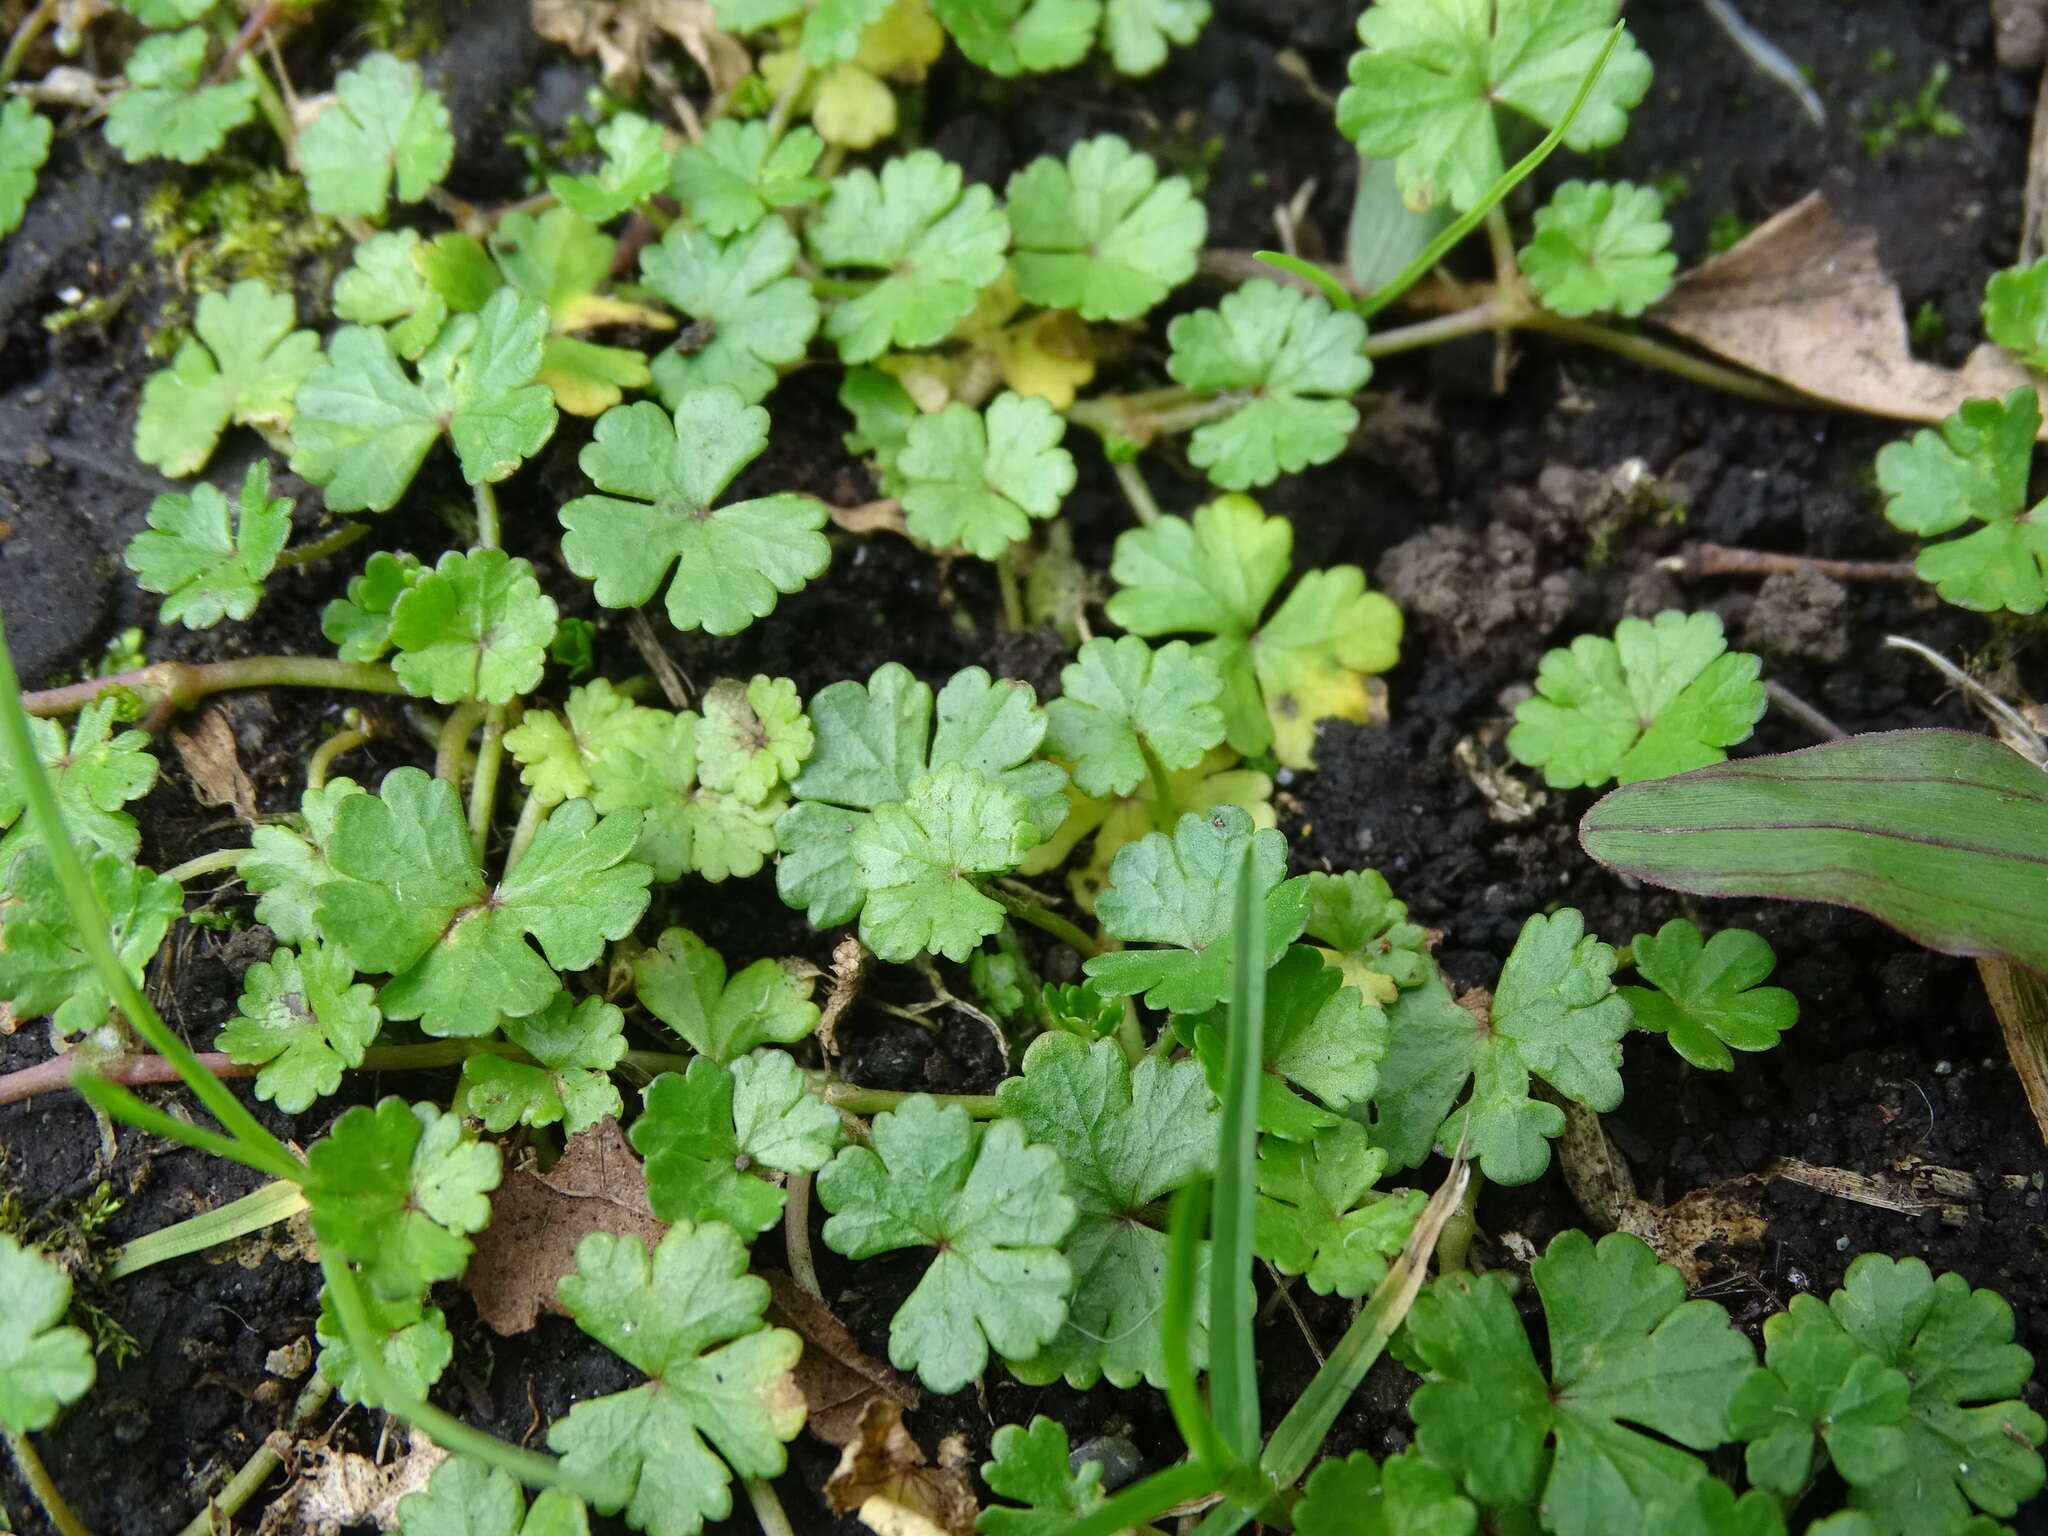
(1233, 1371)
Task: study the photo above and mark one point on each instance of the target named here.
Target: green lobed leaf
(1975, 467)
(44, 968)
(1124, 706)
(1704, 994)
(93, 771)
(477, 626)
(705, 1130)
(387, 284)
(689, 1319)
(882, 412)
(916, 863)
(1294, 361)
(992, 1206)
(410, 1337)
(1311, 658)
(1426, 84)
(1970, 1443)
(243, 365)
(384, 134)
(740, 171)
(1628, 1354)
(1405, 1496)
(1554, 1015)
(2015, 311)
(1101, 233)
(754, 736)
(1661, 697)
(360, 623)
(1908, 844)
(664, 475)
(1600, 247)
(682, 981)
(1176, 890)
(1033, 1467)
(1136, 32)
(468, 1498)
(1127, 1137)
(751, 315)
(1318, 1214)
(303, 1023)
(288, 863)
(574, 1046)
(636, 166)
(1321, 1037)
(1377, 948)
(1010, 37)
(395, 1191)
(207, 558)
(164, 112)
(24, 145)
(976, 480)
(44, 1364)
(1818, 1384)
(363, 427)
(937, 245)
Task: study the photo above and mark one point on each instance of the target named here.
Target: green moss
(245, 221)
(1725, 230)
(1920, 116)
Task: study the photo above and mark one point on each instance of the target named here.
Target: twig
(1699, 559)
(173, 686)
(1803, 712)
(255, 1472)
(796, 1236)
(25, 35)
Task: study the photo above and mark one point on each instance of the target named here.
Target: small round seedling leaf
(244, 365)
(1600, 248)
(636, 166)
(1975, 466)
(1100, 232)
(740, 171)
(749, 316)
(164, 111)
(475, 627)
(754, 736)
(1033, 1467)
(208, 558)
(1704, 994)
(976, 480)
(304, 1019)
(384, 133)
(1123, 706)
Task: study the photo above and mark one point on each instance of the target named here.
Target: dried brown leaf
(207, 749)
(624, 34)
(337, 1491)
(1805, 300)
(882, 1468)
(837, 1377)
(538, 1219)
(1722, 1214)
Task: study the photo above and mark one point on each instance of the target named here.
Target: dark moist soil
(1487, 518)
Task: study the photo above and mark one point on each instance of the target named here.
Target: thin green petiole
(488, 533)
(41, 1486)
(207, 864)
(483, 788)
(1046, 920)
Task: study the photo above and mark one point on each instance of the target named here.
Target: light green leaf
(1311, 658)
(989, 1203)
(1136, 32)
(303, 1022)
(1293, 360)
(978, 480)
(363, 427)
(396, 1189)
(1009, 37)
(1819, 1385)
(24, 145)
(1425, 85)
(1661, 697)
(163, 112)
(1628, 1353)
(1406, 1497)
(387, 284)
(288, 864)
(1975, 467)
(1034, 1467)
(1318, 1214)
(936, 247)
(689, 1319)
(1123, 706)
(93, 771)
(916, 861)
(1126, 1138)
(682, 982)
(44, 1364)
(411, 1337)
(1100, 232)
(731, 562)
(1554, 1015)
(360, 623)
(705, 1129)
(636, 166)
(2015, 309)
(243, 366)
(751, 316)
(207, 566)
(475, 627)
(383, 127)
(754, 736)
(1600, 248)
(574, 1049)
(1177, 890)
(1707, 999)
(468, 1498)
(730, 181)
(44, 968)
(1379, 950)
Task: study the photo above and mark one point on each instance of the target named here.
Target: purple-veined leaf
(1941, 834)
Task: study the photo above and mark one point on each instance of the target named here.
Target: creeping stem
(174, 686)
(40, 1485)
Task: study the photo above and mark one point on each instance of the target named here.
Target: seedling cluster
(508, 905)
